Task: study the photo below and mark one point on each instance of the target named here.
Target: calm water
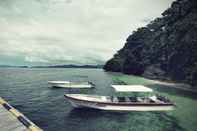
(28, 91)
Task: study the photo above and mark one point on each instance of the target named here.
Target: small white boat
(69, 84)
(114, 103)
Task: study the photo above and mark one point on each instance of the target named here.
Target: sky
(51, 32)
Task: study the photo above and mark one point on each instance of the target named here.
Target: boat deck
(12, 120)
(153, 99)
(121, 100)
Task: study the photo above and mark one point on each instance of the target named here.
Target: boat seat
(133, 99)
(121, 99)
(127, 99)
(162, 98)
(151, 101)
(114, 99)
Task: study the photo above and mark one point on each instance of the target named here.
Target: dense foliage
(165, 49)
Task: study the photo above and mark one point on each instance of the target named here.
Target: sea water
(27, 90)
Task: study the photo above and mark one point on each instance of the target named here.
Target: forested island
(165, 49)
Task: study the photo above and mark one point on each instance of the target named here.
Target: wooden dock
(13, 120)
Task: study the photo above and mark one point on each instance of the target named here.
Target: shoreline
(181, 86)
(172, 84)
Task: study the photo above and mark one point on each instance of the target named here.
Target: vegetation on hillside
(165, 49)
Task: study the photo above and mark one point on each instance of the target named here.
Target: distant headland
(54, 66)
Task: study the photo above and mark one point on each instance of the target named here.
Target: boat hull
(119, 107)
(69, 85)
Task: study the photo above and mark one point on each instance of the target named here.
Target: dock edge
(23, 119)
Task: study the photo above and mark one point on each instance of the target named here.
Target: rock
(154, 72)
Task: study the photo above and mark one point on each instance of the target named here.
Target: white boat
(69, 84)
(114, 103)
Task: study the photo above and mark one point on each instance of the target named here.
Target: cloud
(71, 31)
(35, 59)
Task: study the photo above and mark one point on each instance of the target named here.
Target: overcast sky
(45, 32)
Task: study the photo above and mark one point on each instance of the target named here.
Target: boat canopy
(131, 88)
